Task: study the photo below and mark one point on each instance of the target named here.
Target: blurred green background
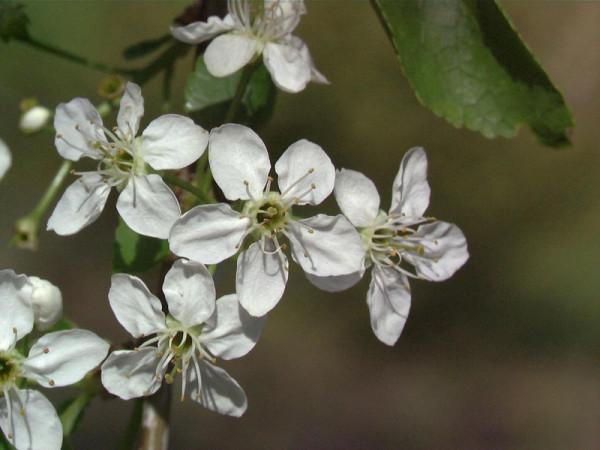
(503, 355)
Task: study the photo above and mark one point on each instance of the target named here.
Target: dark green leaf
(71, 411)
(13, 21)
(4, 444)
(203, 89)
(465, 61)
(144, 48)
(133, 253)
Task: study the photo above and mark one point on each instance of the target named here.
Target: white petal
(131, 373)
(148, 206)
(333, 248)
(131, 111)
(389, 303)
(5, 158)
(286, 12)
(46, 301)
(410, 194)
(78, 123)
(173, 142)
(335, 283)
(232, 332)
(288, 66)
(64, 357)
(208, 233)
(38, 428)
(219, 392)
(261, 277)
(134, 306)
(308, 163)
(357, 197)
(197, 32)
(80, 205)
(17, 313)
(190, 292)
(237, 154)
(315, 75)
(34, 119)
(228, 53)
(444, 251)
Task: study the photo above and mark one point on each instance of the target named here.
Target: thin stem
(76, 58)
(27, 228)
(241, 90)
(173, 180)
(133, 426)
(155, 420)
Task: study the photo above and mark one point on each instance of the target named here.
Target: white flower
(46, 301)
(398, 239)
(27, 418)
(248, 33)
(322, 245)
(5, 159)
(34, 119)
(184, 341)
(145, 202)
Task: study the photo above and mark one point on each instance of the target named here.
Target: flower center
(265, 24)
(268, 214)
(9, 369)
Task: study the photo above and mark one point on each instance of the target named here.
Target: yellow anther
(283, 246)
(157, 376)
(265, 220)
(142, 335)
(46, 350)
(313, 186)
(179, 370)
(297, 200)
(403, 214)
(246, 182)
(9, 436)
(311, 231)
(22, 412)
(270, 178)
(137, 349)
(72, 171)
(311, 170)
(51, 382)
(91, 122)
(199, 394)
(168, 378)
(306, 255)
(127, 376)
(286, 268)
(77, 126)
(201, 356)
(273, 202)
(59, 136)
(407, 287)
(436, 242)
(393, 216)
(160, 354)
(14, 330)
(115, 128)
(241, 216)
(394, 252)
(145, 393)
(214, 360)
(435, 259)
(181, 399)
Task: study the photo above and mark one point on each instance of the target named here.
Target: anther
(15, 330)
(127, 376)
(199, 394)
(311, 231)
(313, 186)
(407, 287)
(306, 255)
(51, 382)
(46, 350)
(145, 393)
(283, 246)
(270, 178)
(241, 216)
(91, 122)
(436, 259)
(311, 170)
(137, 349)
(436, 242)
(181, 399)
(246, 182)
(22, 412)
(59, 136)
(77, 126)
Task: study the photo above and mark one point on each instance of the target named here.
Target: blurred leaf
(205, 93)
(4, 444)
(62, 324)
(13, 21)
(144, 48)
(133, 253)
(71, 411)
(465, 61)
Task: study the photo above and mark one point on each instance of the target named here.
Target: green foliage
(133, 253)
(465, 61)
(71, 411)
(13, 21)
(144, 48)
(209, 97)
(61, 325)
(4, 444)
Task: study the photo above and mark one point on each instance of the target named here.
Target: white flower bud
(34, 119)
(46, 301)
(5, 158)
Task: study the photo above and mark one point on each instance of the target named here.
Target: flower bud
(34, 119)
(5, 158)
(46, 301)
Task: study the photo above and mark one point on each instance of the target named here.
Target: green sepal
(465, 61)
(134, 253)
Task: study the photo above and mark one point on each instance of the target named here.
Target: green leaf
(70, 412)
(13, 21)
(208, 97)
(4, 444)
(133, 253)
(62, 324)
(144, 48)
(465, 61)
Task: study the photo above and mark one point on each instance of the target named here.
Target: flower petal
(410, 194)
(228, 53)
(37, 428)
(261, 277)
(17, 313)
(335, 283)
(77, 123)
(357, 197)
(131, 111)
(190, 292)
(237, 154)
(288, 66)
(326, 245)
(64, 357)
(148, 206)
(131, 373)
(197, 32)
(173, 142)
(305, 172)
(389, 302)
(208, 233)
(80, 205)
(444, 251)
(218, 392)
(5, 159)
(232, 332)
(135, 307)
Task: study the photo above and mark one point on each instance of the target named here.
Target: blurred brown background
(504, 355)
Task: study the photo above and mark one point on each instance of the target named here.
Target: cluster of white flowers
(186, 333)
